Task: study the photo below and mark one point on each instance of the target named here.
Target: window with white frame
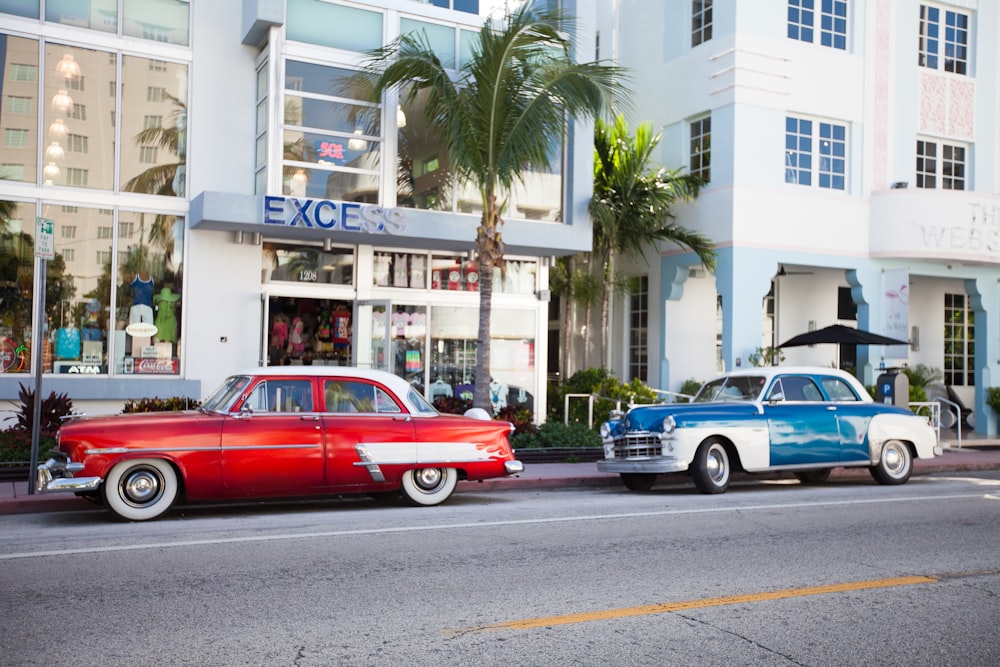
(701, 148)
(830, 169)
(959, 341)
(15, 138)
(638, 327)
(19, 104)
(955, 26)
(701, 21)
(832, 22)
(941, 165)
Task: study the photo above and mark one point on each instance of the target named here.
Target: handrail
(935, 407)
(590, 408)
(934, 418)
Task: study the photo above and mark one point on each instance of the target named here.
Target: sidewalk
(975, 454)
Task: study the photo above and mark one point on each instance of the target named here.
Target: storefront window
(456, 273)
(19, 157)
(289, 262)
(400, 269)
(440, 38)
(324, 23)
(147, 333)
(25, 8)
(154, 126)
(330, 144)
(158, 20)
(97, 15)
(453, 356)
(79, 108)
(423, 176)
(89, 292)
(77, 118)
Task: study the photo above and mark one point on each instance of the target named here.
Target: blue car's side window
(796, 388)
(838, 390)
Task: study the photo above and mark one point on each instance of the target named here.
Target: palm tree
(633, 204)
(497, 118)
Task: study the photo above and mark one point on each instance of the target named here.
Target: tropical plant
(497, 117)
(993, 399)
(766, 356)
(556, 435)
(54, 409)
(633, 205)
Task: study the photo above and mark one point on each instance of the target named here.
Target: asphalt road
(772, 573)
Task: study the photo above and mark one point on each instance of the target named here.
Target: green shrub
(690, 387)
(608, 390)
(993, 398)
(15, 446)
(172, 404)
(557, 435)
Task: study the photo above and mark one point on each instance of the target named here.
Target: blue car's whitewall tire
(711, 468)
(895, 464)
(140, 489)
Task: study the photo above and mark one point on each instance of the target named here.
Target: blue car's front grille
(637, 444)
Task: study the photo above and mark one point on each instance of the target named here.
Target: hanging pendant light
(51, 172)
(58, 130)
(357, 143)
(54, 152)
(68, 68)
(400, 117)
(62, 102)
(299, 180)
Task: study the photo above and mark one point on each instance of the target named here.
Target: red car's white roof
(398, 385)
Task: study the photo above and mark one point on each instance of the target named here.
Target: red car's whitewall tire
(140, 489)
(429, 486)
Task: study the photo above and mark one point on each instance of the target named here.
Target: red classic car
(280, 432)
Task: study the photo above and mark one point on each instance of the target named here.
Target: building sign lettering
(333, 215)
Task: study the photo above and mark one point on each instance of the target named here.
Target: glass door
(392, 337)
(372, 338)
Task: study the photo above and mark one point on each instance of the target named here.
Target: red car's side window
(281, 396)
(355, 396)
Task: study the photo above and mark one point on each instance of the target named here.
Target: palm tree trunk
(609, 272)
(481, 396)
(566, 326)
(490, 252)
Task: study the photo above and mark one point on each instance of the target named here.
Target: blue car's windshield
(738, 388)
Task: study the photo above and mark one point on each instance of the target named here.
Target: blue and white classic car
(798, 419)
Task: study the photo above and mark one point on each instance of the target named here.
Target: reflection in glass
(423, 177)
(149, 279)
(154, 126)
(81, 106)
(307, 264)
(96, 14)
(158, 20)
(19, 114)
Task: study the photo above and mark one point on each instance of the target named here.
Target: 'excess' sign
(332, 215)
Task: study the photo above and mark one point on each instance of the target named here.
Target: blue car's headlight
(605, 430)
(669, 424)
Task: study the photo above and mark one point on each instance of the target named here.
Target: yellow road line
(644, 610)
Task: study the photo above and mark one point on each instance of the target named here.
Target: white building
(215, 188)
(852, 153)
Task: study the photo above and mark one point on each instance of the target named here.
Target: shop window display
(85, 285)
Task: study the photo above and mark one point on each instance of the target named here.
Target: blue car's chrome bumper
(53, 476)
(653, 464)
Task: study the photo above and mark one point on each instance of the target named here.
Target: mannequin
(142, 298)
(166, 321)
(498, 395)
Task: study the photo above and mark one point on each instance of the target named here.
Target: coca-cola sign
(156, 366)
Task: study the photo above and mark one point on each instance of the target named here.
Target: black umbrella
(841, 335)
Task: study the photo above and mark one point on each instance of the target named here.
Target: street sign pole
(44, 250)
